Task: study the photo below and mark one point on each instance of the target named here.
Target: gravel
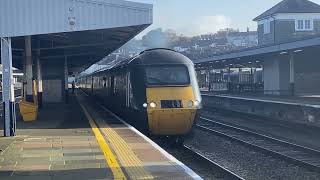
(294, 133)
(197, 165)
(246, 162)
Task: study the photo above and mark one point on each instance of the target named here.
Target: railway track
(224, 172)
(297, 154)
(197, 161)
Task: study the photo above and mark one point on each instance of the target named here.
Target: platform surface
(310, 101)
(83, 140)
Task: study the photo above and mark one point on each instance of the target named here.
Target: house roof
(291, 6)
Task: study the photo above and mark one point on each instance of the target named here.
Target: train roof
(156, 56)
(162, 56)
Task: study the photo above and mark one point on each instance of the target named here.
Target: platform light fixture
(283, 52)
(296, 51)
(250, 62)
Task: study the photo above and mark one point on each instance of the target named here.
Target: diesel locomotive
(156, 91)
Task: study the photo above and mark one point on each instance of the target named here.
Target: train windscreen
(167, 76)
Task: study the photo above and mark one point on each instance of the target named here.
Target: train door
(91, 84)
(128, 90)
(112, 86)
(104, 86)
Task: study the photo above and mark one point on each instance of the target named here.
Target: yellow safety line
(127, 157)
(109, 156)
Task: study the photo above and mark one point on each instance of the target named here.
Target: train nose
(171, 122)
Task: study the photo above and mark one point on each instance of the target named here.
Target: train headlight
(153, 105)
(197, 103)
(145, 105)
(190, 104)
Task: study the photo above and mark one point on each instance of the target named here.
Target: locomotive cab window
(167, 76)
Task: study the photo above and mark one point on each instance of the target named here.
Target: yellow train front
(156, 91)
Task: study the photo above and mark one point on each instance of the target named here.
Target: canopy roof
(83, 31)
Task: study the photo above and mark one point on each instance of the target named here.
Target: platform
(301, 110)
(83, 140)
(306, 100)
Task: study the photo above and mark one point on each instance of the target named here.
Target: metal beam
(9, 113)
(69, 55)
(75, 46)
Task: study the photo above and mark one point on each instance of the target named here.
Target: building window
(307, 24)
(266, 27)
(300, 24)
(304, 25)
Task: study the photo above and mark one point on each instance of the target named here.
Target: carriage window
(174, 75)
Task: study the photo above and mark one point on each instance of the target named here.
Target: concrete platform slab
(53, 147)
(82, 140)
(138, 155)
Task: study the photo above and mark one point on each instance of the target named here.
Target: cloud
(207, 24)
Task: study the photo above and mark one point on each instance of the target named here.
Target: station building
(287, 51)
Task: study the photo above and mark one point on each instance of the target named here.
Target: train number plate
(171, 104)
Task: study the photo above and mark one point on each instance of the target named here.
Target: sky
(194, 17)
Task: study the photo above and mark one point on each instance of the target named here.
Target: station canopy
(83, 31)
(253, 57)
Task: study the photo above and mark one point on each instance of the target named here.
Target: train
(156, 91)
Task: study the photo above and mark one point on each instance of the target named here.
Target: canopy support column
(39, 77)
(29, 72)
(66, 88)
(9, 112)
(292, 72)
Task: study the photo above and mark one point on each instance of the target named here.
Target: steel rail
(289, 150)
(222, 169)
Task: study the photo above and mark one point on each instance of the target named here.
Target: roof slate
(291, 6)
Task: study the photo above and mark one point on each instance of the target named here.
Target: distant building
(243, 39)
(181, 49)
(287, 21)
